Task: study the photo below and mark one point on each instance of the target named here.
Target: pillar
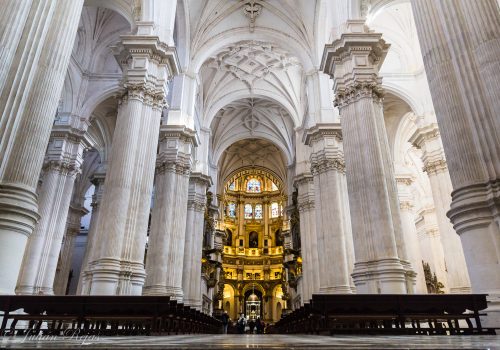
(309, 242)
(33, 65)
(85, 277)
(118, 266)
(410, 231)
(354, 61)
(164, 264)
(76, 212)
(332, 216)
(196, 204)
(62, 164)
(428, 140)
(459, 41)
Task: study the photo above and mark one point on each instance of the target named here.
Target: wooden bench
(388, 314)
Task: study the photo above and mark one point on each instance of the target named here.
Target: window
(258, 211)
(248, 211)
(232, 186)
(274, 210)
(231, 210)
(274, 187)
(253, 185)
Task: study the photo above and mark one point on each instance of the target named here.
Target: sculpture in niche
(253, 240)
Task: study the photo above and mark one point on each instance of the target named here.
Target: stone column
(75, 214)
(430, 244)
(354, 61)
(308, 237)
(428, 140)
(165, 258)
(118, 266)
(332, 216)
(459, 41)
(191, 276)
(84, 283)
(36, 48)
(410, 231)
(62, 163)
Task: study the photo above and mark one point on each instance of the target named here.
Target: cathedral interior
(245, 155)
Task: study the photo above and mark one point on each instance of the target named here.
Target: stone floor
(290, 342)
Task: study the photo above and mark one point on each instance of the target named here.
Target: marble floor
(275, 341)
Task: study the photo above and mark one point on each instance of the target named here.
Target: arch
(235, 173)
(236, 95)
(94, 100)
(119, 6)
(404, 95)
(182, 33)
(380, 6)
(217, 153)
(234, 35)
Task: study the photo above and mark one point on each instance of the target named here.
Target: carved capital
(435, 166)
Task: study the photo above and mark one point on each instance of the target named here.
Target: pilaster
(354, 61)
(164, 264)
(308, 235)
(197, 221)
(333, 224)
(427, 138)
(62, 164)
(459, 44)
(118, 267)
(36, 47)
(75, 214)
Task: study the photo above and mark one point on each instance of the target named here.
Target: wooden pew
(388, 314)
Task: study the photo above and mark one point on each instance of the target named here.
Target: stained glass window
(248, 211)
(274, 210)
(253, 185)
(231, 210)
(274, 187)
(258, 211)
(232, 186)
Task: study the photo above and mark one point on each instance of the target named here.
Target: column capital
(147, 65)
(353, 61)
(326, 142)
(428, 139)
(176, 146)
(65, 149)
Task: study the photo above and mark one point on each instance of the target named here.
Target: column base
(492, 319)
(194, 303)
(116, 277)
(460, 290)
(175, 293)
(18, 216)
(335, 290)
(385, 276)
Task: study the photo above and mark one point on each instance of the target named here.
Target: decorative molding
(252, 10)
(435, 166)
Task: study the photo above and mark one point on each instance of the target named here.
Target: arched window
(274, 187)
(248, 211)
(258, 211)
(232, 186)
(231, 210)
(253, 185)
(274, 210)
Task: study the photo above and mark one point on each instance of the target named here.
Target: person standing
(225, 321)
(258, 325)
(241, 324)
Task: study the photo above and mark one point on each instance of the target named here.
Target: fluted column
(410, 236)
(165, 258)
(311, 265)
(459, 41)
(75, 214)
(427, 138)
(33, 64)
(332, 215)
(196, 204)
(85, 277)
(118, 267)
(62, 163)
(354, 61)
